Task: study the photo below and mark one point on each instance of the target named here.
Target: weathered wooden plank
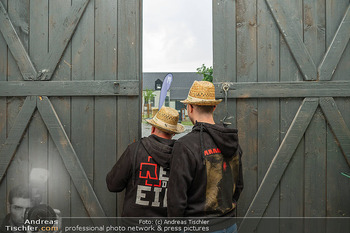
(3, 118)
(71, 88)
(82, 125)
(286, 89)
(315, 136)
(15, 12)
(336, 9)
(60, 198)
(129, 63)
(291, 187)
(315, 28)
(59, 43)
(336, 49)
(315, 173)
(246, 21)
(337, 124)
(38, 47)
(293, 38)
(291, 190)
(18, 50)
(337, 199)
(279, 164)
(8, 148)
(268, 109)
(70, 158)
(224, 50)
(18, 172)
(105, 125)
(338, 204)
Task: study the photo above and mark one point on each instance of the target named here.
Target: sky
(177, 35)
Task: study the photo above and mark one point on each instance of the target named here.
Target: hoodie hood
(159, 148)
(225, 138)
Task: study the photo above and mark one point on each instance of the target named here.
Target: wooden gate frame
(37, 88)
(317, 84)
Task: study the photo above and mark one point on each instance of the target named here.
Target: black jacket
(206, 173)
(144, 174)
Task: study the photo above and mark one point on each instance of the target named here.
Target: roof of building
(181, 84)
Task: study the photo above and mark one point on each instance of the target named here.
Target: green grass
(186, 123)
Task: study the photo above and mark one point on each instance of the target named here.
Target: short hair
(205, 109)
(20, 191)
(164, 132)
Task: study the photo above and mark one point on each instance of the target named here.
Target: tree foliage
(148, 95)
(206, 72)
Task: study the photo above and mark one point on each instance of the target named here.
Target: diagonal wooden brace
(8, 149)
(279, 164)
(338, 125)
(70, 160)
(15, 45)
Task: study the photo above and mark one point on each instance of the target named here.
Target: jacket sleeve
(239, 183)
(180, 179)
(118, 177)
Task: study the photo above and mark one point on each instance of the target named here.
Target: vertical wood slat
(315, 136)
(129, 68)
(59, 183)
(65, 31)
(8, 149)
(3, 114)
(337, 201)
(336, 49)
(70, 159)
(291, 185)
(39, 42)
(17, 173)
(16, 46)
(294, 40)
(338, 204)
(106, 63)
(315, 173)
(279, 164)
(82, 125)
(224, 50)
(268, 109)
(247, 109)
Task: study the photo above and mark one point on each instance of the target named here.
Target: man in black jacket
(143, 169)
(206, 170)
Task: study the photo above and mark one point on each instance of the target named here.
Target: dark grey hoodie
(143, 170)
(206, 173)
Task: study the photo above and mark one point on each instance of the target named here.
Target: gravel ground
(146, 130)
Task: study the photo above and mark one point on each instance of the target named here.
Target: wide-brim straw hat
(166, 120)
(201, 93)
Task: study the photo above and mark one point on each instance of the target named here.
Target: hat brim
(179, 127)
(201, 102)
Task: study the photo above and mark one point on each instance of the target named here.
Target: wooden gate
(70, 76)
(286, 66)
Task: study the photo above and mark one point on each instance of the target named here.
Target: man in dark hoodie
(143, 169)
(206, 170)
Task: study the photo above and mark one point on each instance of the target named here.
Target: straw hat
(201, 93)
(166, 120)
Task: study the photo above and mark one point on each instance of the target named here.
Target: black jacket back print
(144, 174)
(206, 173)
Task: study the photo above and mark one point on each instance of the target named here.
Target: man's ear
(191, 107)
(153, 129)
(215, 107)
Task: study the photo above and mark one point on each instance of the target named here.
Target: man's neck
(162, 135)
(205, 119)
